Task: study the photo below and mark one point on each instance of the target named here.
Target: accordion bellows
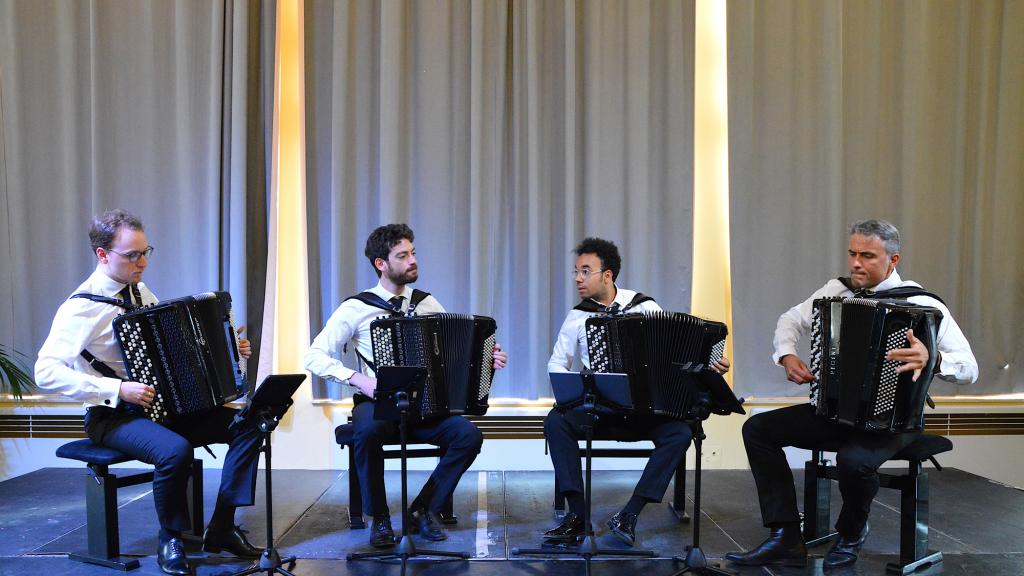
(186, 349)
(658, 351)
(456, 349)
(855, 385)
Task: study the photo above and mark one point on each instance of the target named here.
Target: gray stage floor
(976, 523)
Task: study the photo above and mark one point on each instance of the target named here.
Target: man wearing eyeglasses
(81, 359)
(597, 267)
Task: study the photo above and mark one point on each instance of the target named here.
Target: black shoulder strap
(845, 281)
(99, 365)
(637, 300)
(371, 299)
(588, 306)
(900, 292)
(904, 292)
(592, 306)
(417, 297)
(104, 300)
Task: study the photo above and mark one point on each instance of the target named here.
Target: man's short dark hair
(383, 239)
(606, 251)
(105, 227)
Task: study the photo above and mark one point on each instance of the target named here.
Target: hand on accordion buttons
(914, 357)
(137, 393)
(244, 347)
(721, 366)
(500, 357)
(796, 370)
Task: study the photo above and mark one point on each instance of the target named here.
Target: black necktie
(136, 294)
(396, 303)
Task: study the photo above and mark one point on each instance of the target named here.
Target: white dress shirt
(81, 324)
(572, 337)
(958, 362)
(351, 323)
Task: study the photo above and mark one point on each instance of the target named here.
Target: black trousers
(169, 447)
(564, 429)
(460, 438)
(858, 456)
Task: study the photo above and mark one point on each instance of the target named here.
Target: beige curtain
(910, 111)
(503, 132)
(154, 107)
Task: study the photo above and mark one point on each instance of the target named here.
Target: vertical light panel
(291, 294)
(712, 289)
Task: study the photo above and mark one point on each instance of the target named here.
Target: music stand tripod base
(266, 408)
(394, 386)
(591, 397)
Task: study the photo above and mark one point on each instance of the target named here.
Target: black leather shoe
(785, 547)
(623, 525)
(233, 540)
(171, 558)
(570, 529)
(428, 525)
(381, 534)
(845, 550)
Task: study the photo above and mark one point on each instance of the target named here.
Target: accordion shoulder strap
(901, 292)
(104, 300)
(592, 306)
(371, 299)
(637, 300)
(99, 365)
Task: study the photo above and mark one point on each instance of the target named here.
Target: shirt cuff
(784, 351)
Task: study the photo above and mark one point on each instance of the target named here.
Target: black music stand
(593, 400)
(267, 406)
(712, 396)
(397, 387)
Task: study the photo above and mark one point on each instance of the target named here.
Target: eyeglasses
(134, 255)
(586, 273)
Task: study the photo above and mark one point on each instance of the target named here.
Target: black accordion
(457, 351)
(855, 384)
(658, 351)
(186, 349)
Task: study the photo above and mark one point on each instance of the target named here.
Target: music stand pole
(406, 549)
(588, 548)
(270, 561)
(695, 560)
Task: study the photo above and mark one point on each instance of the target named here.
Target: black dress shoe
(232, 540)
(845, 550)
(428, 525)
(171, 558)
(381, 534)
(623, 525)
(785, 547)
(570, 529)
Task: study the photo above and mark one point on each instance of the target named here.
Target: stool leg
(817, 501)
(355, 498)
(101, 518)
(914, 524)
(195, 498)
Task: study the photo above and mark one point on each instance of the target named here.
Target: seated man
(82, 360)
(393, 257)
(597, 266)
(874, 250)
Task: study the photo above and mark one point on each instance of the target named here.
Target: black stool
(343, 436)
(101, 501)
(678, 503)
(913, 487)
